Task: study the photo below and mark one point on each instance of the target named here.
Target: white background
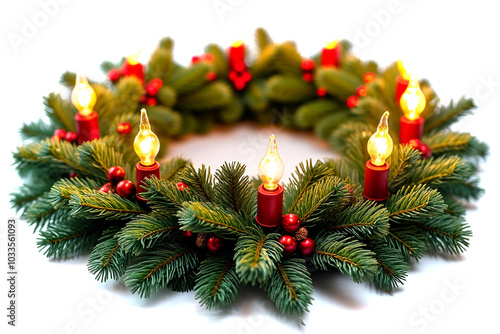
(453, 44)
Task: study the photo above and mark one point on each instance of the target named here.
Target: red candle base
(87, 127)
(401, 85)
(142, 172)
(410, 129)
(331, 57)
(136, 70)
(376, 181)
(236, 55)
(269, 206)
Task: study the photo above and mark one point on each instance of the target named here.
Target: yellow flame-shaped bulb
(380, 143)
(271, 168)
(237, 44)
(331, 45)
(134, 59)
(402, 70)
(413, 100)
(146, 143)
(83, 96)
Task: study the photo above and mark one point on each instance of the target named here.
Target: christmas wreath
(187, 228)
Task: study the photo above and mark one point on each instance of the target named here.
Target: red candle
(147, 146)
(84, 99)
(270, 193)
(269, 206)
(132, 67)
(411, 125)
(377, 169)
(87, 127)
(237, 55)
(330, 55)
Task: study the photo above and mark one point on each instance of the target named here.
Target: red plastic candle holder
(87, 127)
(401, 85)
(143, 172)
(269, 206)
(410, 129)
(376, 181)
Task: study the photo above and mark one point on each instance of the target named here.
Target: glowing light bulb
(146, 143)
(237, 44)
(413, 100)
(402, 70)
(271, 168)
(134, 59)
(380, 143)
(83, 96)
(331, 45)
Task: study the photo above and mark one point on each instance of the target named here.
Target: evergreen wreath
(198, 229)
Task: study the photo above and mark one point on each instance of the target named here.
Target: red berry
(195, 59)
(123, 128)
(211, 76)
(107, 188)
(187, 234)
(239, 66)
(246, 76)
(154, 86)
(321, 91)
(113, 75)
(425, 151)
(56, 138)
(207, 57)
(415, 143)
(151, 101)
(307, 65)
(71, 137)
(60, 133)
(307, 77)
(125, 188)
(116, 174)
(352, 101)
(290, 223)
(307, 246)
(361, 91)
(368, 77)
(182, 186)
(289, 244)
(73, 175)
(214, 244)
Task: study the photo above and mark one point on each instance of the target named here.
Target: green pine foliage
(166, 240)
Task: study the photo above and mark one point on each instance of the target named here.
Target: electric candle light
(377, 169)
(237, 56)
(402, 80)
(132, 67)
(330, 55)
(270, 193)
(413, 103)
(84, 98)
(146, 145)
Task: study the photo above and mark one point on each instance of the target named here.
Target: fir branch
(42, 212)
(203, 217)
(147, 231)
(288, 89)
(108, 259)
(407, 240)
(97, 158)
(342, 169)
(413, 204)
(164, 195)
(262, 38)
(304, 177)
(60, 112)
(290, 60)
(220, 62)
(217, 284)
(290, 287)
(392, 267)
(233, 111)
(327, 196)
(402, 160)
(445, 116)
(446, 233)
(36, 130)
(325, 127)
(265, 63)
(256, 96)
(171, 169)
(256, 256)
(211, 96)
(61, 191)
(366, 220)
(337, 82)
(310, 113)
(160, 65)
(183, 283)
(190, 79)
(29, 192)
(155, 269)
(455, 143)
(233, 189)
(71, 237)
(199, 181)
(93, 204)
(346, 254)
